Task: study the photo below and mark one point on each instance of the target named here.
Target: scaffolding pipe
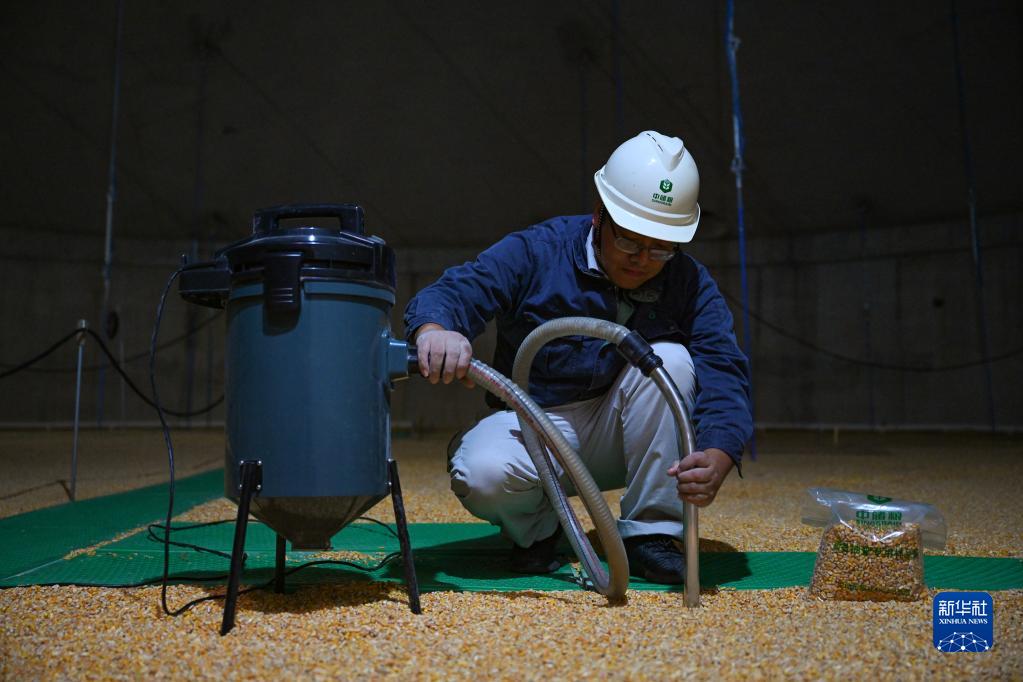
(205, 48)
(868, 348)
(978, 266)
(108, 242)
(124, 392)
(191, 322)
(616, 62)
(584, 168)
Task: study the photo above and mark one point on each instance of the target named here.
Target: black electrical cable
(318, 562)
(167, 527)
(223, 576)
(227, 555)
(135, 389)
(198, 548)
(170, 342)
(120, 370)
(167, 441)
(379, 523)
(151, 528)
(193, 526)
(869, 363)
(14, 369)
(27, 365)
(262, 586)
(171, 485)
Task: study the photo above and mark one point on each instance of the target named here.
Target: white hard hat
(650, 185)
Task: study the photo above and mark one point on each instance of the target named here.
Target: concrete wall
(898, 296)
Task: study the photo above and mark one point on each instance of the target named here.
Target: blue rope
(108, 265)
(732, 47)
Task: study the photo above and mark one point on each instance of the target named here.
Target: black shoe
(539, 557)
(656, 558)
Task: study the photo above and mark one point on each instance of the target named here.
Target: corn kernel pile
(364, 630)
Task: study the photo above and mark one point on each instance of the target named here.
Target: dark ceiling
(456, 122)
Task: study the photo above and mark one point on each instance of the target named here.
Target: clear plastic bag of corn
(872, 545)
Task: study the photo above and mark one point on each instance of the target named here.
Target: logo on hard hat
(663, 198)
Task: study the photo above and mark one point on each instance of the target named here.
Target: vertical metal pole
(82, 324)
(209, 373)
(120, 353)
(191, 321)
(206, 48)
(978, 266)
(865, 285)
(584, 169)
(616, 62)
(690, 513)
(900, 347)
(108, 242)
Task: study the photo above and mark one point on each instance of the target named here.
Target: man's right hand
(443, 354)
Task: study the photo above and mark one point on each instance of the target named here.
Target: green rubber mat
(37, 538)
(453, 557)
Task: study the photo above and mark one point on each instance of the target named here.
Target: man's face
(628, 271)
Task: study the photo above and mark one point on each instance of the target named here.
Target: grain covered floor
(348, 631)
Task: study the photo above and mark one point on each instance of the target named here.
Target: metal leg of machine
(251, 475)
(403, 538)
(279, 565)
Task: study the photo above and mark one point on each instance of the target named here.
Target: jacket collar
(581, 246)
(585, 259)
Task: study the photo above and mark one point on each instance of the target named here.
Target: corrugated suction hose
(542, 437)
(639, 353)
(536, 424)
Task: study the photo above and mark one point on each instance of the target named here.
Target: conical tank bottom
(310, 522)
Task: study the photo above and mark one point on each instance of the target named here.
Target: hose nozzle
(638, 352)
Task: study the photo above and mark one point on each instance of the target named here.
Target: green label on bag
(879, 517)
(865, 550)
(877, 499)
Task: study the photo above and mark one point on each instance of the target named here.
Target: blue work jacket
(542, 273)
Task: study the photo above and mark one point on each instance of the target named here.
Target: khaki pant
(627, 438)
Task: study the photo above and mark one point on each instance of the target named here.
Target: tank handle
(282, 283)
(266, 220)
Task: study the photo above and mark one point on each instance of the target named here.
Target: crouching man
(622, 263)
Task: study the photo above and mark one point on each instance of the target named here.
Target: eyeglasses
(626, 245)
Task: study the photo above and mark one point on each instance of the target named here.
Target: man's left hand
(701, 474)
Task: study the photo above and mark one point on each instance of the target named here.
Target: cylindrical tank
(310, 362)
